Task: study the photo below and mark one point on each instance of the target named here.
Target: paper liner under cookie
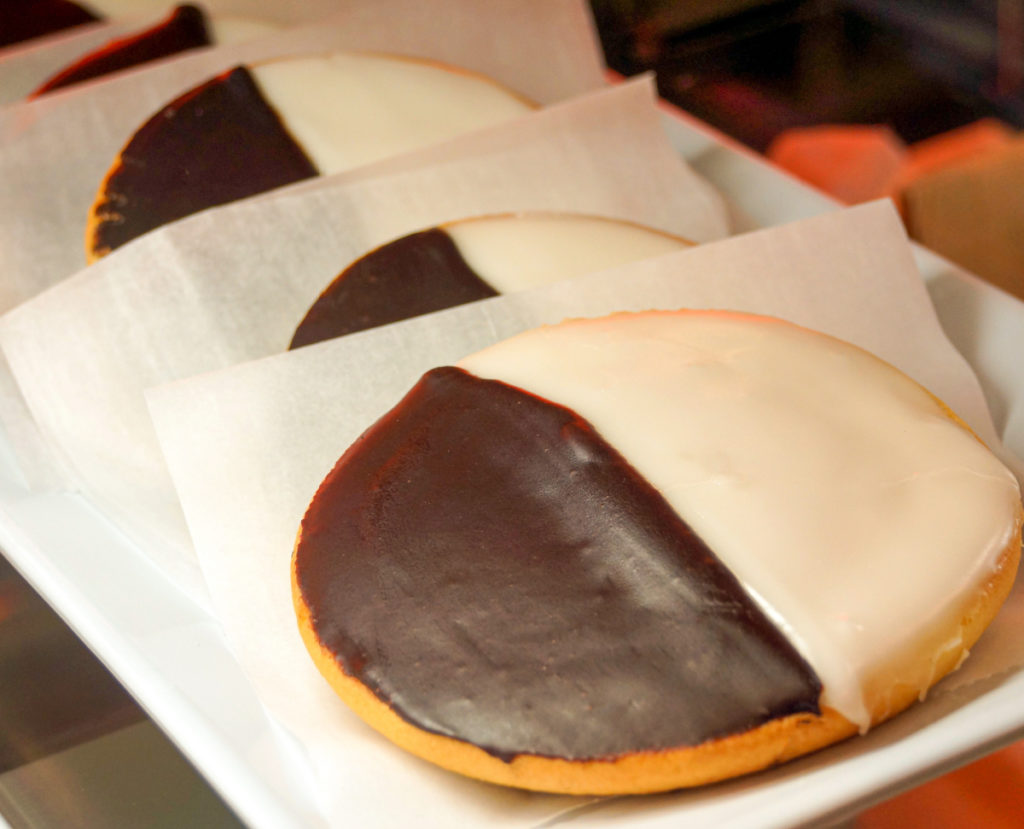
(58, 148)
(851, 274)
(239, 279)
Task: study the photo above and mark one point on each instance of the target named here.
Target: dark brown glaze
(185, 29)
(217, 143)
(414, 275)
(494, 571)
(25, 19)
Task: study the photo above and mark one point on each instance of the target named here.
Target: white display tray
(172, 657)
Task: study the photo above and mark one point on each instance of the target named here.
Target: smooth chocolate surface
(414, 275)
(219, 142)
(184, 29)
(25, 19)
(496, 572)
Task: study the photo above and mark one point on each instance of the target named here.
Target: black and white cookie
(469, 260)
(22, 20)
(651, 550)
(266, 125)
(186, 27)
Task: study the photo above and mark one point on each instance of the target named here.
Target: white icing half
(513, 253)
(347, 109)
(113, 9)
(226, 30)
(853, 510)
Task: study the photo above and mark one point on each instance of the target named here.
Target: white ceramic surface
(170, 654)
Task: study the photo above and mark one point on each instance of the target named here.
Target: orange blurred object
(854, 163)
(959, 192)
(973, 213)
(988, 793)
(951, 148)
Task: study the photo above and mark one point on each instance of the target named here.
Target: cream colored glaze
(226, 30)
(113, 9)
(347, 109)
(516, 252)
(853, 509)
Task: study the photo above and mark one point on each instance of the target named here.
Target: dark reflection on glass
(54, 693)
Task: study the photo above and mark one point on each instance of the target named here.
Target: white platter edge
(150, 636)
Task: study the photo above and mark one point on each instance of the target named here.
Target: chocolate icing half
(217, 143)
(414, 275)
(25, 19)
(184, 29)
(494, 571)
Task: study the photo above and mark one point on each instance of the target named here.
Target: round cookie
(649, 551)
(274, 123)
(186, 27)
(22, 20)
(469, 260)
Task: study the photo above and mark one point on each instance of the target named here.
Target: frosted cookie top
(256, 128)
(514, 253)
(121, 8)
(855, 511)
(378, 105)
(472, 259)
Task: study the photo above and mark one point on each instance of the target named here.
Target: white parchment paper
(231, 284)
(57, 150)
(248, 446)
